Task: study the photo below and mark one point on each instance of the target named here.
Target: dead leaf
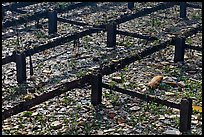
(111, 114)
(117, 79)
(120, 120)
(28, 97)
(148, 74)
(47, 71)
(115, 61)
(154, 83)
(197, 108)
(181, 84)
(169, 93)
(173, 84)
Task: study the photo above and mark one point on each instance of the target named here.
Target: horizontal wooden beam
(60, 40)
(41, 14)
(72, 22)
(14, 6)
(8, 59)
(58, 90)
(136, 35)
(109, 68)
(145, 12)
(193, 5)
(198, 48)
(142, 96)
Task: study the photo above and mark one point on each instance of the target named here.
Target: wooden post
(179, 49)
(21, 67)
(96, 89)
(111, 35)
(52, 22)
(130, 5)
(182, 9)
(185, 115)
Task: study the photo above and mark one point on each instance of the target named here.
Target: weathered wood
(193, 6)
(20, 11)
(179, 49)
(142, 96)
(72, 22)
(21, 67)
(16, 5)
(145, 12)
(53, 43)
(185, 115)
(60, 40)
(8, 59)
(183, 7)
(198, 48)
(136, 35)
(52, 22)
(107, 69)
(41, 14)
(96, 89)
(192, 31)
(58, 90)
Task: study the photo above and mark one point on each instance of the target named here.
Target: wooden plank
(41, 14)
(14, 6)
(72, 22)
(60, 40)
(198, 48)
(193, 6)
(8, 59)
(142, 96)
(145, 12)
(107, 69)
(58, 90)
(136, 35)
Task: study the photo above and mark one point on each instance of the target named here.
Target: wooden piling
(96, 89)
(183, 6)
(52, 22)
(185, 115)
(111, 35)
(21, 67)
(179, 49)
(130, 5)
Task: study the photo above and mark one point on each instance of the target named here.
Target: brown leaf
(154, 83)
(28, 97)
(120, 120)
(111, 114)
(181, 84)
(173, 84)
